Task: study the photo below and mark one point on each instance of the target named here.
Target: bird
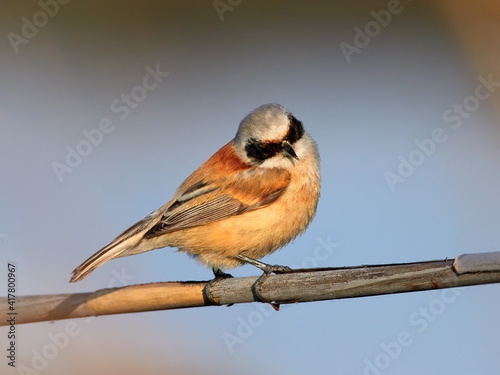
(252, 197)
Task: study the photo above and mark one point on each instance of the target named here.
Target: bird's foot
(268, 269)
(276, 268)
(219, 275)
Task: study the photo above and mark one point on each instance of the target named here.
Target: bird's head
(271, 137)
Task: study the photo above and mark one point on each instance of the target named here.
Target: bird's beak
(288, 151)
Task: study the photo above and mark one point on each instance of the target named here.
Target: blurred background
(106, 107)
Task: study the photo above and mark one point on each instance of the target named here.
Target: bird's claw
(277, 269)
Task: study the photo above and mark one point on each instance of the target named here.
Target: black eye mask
(296, 130)
(260, 151)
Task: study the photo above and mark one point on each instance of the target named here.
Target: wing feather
(205, 202)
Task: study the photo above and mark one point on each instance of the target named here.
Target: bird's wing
(205, 202)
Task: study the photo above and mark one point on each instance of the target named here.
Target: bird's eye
(295, 131)
(260, 151)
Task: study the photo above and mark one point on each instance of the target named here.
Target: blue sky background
(365, 114)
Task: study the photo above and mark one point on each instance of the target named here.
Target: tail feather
(125, 241)
(102, 256)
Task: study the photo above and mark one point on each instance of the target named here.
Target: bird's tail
(102, 256)
(125, 241)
